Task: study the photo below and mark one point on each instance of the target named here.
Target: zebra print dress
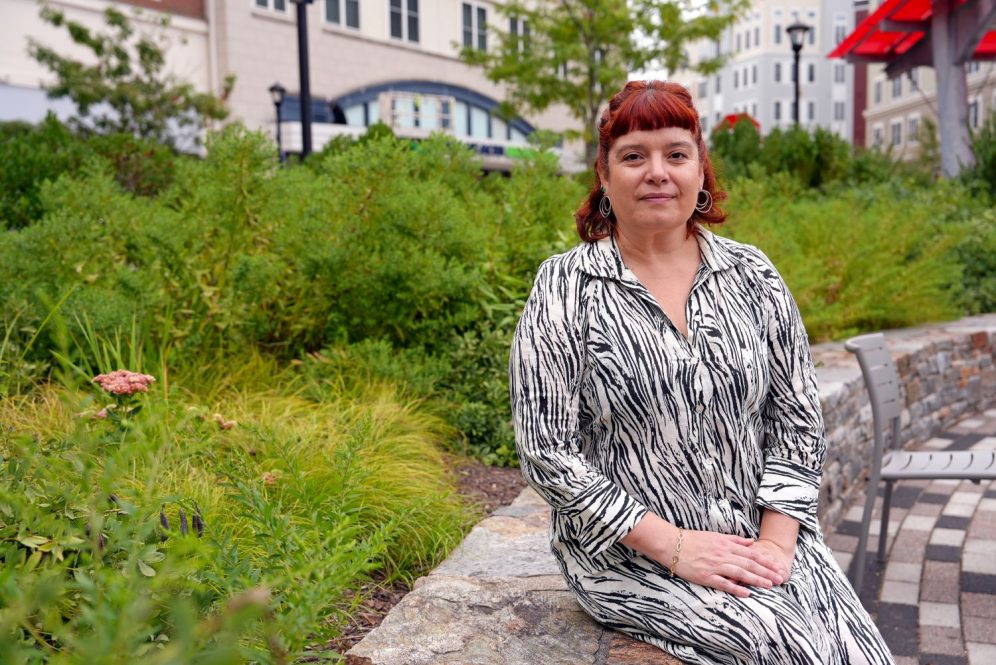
(617, 413)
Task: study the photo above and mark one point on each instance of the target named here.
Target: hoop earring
(605, 206)
(703, 206)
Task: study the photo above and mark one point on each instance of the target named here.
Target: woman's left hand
(783, 557)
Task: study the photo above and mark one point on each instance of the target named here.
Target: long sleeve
(546, 369)
(792, 420)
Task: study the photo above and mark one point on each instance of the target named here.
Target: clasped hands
(722, 561)
(732, 563)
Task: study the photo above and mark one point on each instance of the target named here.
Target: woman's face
(653, 179)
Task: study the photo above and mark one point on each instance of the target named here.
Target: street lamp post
(797, 34)
(277, 93)
(302, 63)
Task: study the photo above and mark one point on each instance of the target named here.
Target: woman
(666, 407)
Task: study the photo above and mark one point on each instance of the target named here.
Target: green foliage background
(352, 315)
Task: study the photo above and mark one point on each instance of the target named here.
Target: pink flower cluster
(123, 382)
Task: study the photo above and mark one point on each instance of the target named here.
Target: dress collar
(602, 258)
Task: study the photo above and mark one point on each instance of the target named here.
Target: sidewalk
(934, 598)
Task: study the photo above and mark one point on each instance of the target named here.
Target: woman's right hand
(724, 562)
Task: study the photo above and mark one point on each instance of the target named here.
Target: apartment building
(394, 61)
(898, 107)
(758, 76)
(21, 78)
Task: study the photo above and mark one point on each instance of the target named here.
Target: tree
(579, 52)
(125, 89)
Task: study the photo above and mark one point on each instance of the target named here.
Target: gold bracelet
(677, 551)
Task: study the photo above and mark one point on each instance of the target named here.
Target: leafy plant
(580, 52)
(126, 90)
(292, 504)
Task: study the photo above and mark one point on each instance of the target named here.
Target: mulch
(486, 487)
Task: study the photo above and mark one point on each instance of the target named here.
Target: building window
(914, 75)
(736, 79)
(519, 28)
(778, 72)
(753, 74)
(838, 111)
(334, 12)
(275, 5)
(404, 24)
(704, 124)
(973, 113)
(738, 42)
(778, 33)
(897, 132)
(753, 109)
(839, 33)
(877, 136)
(747, 39)
(839, 73)
(972, 66)
(703, 89)
(913, 129)
(877, 92)
(812, 111)
(757, 36)
(778, 110)
(812, 73)
(719, 85)
(812, 35)
(475, 27)
(897, 88)
(428, 112)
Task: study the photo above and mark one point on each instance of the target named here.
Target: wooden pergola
(943, 34)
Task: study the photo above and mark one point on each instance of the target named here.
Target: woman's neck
(656, 250)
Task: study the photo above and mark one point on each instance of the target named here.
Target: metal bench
(890, 463)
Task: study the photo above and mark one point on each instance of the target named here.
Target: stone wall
(947, 371)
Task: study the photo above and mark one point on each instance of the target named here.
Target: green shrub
(815, 159)
(982, 176)
(33, 156)
(976, 253)
(30, 156)
(301, 501)
(856, 261)
(733, 151)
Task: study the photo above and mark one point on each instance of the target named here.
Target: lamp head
(797, 33)
(277, 93)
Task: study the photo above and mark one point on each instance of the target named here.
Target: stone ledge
(499, 599)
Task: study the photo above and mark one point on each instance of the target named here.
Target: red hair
(645, 105)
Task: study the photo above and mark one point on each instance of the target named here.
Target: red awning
(894, 28)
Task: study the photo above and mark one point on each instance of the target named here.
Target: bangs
(653, 109)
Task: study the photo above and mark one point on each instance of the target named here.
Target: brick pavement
(934, 597)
